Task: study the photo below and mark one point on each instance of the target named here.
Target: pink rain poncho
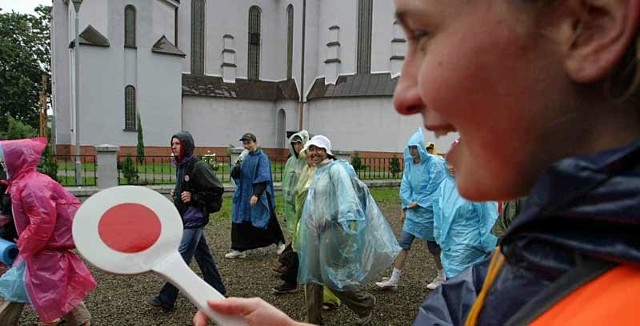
(56, 280)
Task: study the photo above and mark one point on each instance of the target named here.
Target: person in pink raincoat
(55, 279)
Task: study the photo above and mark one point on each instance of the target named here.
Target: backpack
(208, 187)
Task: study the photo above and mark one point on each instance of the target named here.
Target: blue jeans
(194, 244)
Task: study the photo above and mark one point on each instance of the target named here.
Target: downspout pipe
(301, 102)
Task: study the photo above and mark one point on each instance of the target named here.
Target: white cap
(319, 141)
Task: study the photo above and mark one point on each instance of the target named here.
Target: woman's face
(477, 67)
(316, 154)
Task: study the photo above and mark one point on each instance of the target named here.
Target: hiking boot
(285, 288)
(387, 285)
(366, 319)
(235, 254)
(436, 282)
(280, 248)
(155, 301)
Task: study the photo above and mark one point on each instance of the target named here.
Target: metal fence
(376, 168)
(159, 170)
(66, 173)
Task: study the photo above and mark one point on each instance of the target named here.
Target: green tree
(140, 146)
(25, 54)
(18, 130)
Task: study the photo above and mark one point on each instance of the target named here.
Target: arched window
(253, 67)
(197, 36)
(130, 26)
(130, 108)
(365, 10)
(289, 41)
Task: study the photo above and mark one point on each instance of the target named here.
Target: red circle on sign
(129, 228)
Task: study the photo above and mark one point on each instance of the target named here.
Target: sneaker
(387, 285)
(236, 254)
(280, 248)
(436, 283)
(285, 288)
(155, 301)
(366, 319)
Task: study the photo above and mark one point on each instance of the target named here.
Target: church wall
(366, 124)
(217, 122)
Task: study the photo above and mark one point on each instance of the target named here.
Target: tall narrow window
(130, 26)
(129, 108)
(253, 69)
(289, 41)
(197, 37)
(365, 15)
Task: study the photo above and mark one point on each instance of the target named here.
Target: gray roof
(212, 86)
(163, 46)
(355, 86)
(91, 36)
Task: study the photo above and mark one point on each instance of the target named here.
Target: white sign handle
(175, 270)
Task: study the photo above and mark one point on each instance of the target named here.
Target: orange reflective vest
(613, 298)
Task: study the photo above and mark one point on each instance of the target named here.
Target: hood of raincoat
(22, 155)
(417, 139)
(303, 135)
(187, 145)
(586, 204)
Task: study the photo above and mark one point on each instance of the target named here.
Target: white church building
(219, 68)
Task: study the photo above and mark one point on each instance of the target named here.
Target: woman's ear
(601, 33)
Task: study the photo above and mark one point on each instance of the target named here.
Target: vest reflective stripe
(611, 299)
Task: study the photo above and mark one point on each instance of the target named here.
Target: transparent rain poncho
(462, 228)
(290, 176)
(419, 184)
(343, 240)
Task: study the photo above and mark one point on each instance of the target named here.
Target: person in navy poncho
(254, 223)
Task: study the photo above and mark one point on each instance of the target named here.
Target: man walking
(196, 187)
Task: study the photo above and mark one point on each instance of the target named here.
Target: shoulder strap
(187, 175)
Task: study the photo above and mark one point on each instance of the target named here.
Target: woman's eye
(417, 36)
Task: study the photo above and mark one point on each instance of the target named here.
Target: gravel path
(120, 300)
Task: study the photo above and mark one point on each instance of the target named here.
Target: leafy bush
(394, 166)
(356, 162)
(129, 170)
(48, 164)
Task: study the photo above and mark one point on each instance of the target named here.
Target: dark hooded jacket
(201, 182)
(581, 209)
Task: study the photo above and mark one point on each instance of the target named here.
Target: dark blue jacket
(581, 208)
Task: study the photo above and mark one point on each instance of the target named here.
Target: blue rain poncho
(462, 228)
(420, 183)
(255, 168)
(290, 176)
(344, 240)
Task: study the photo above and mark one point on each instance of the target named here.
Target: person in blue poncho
(422, 176)
(343, 239)
(254, 223)
(462, 228)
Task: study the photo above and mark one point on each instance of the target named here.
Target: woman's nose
(406, 97)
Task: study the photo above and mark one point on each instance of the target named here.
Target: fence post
(107, 165)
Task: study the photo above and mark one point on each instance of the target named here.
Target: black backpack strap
(585, 271)
(187, 176)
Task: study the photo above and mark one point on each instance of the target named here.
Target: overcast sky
(22, 6)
